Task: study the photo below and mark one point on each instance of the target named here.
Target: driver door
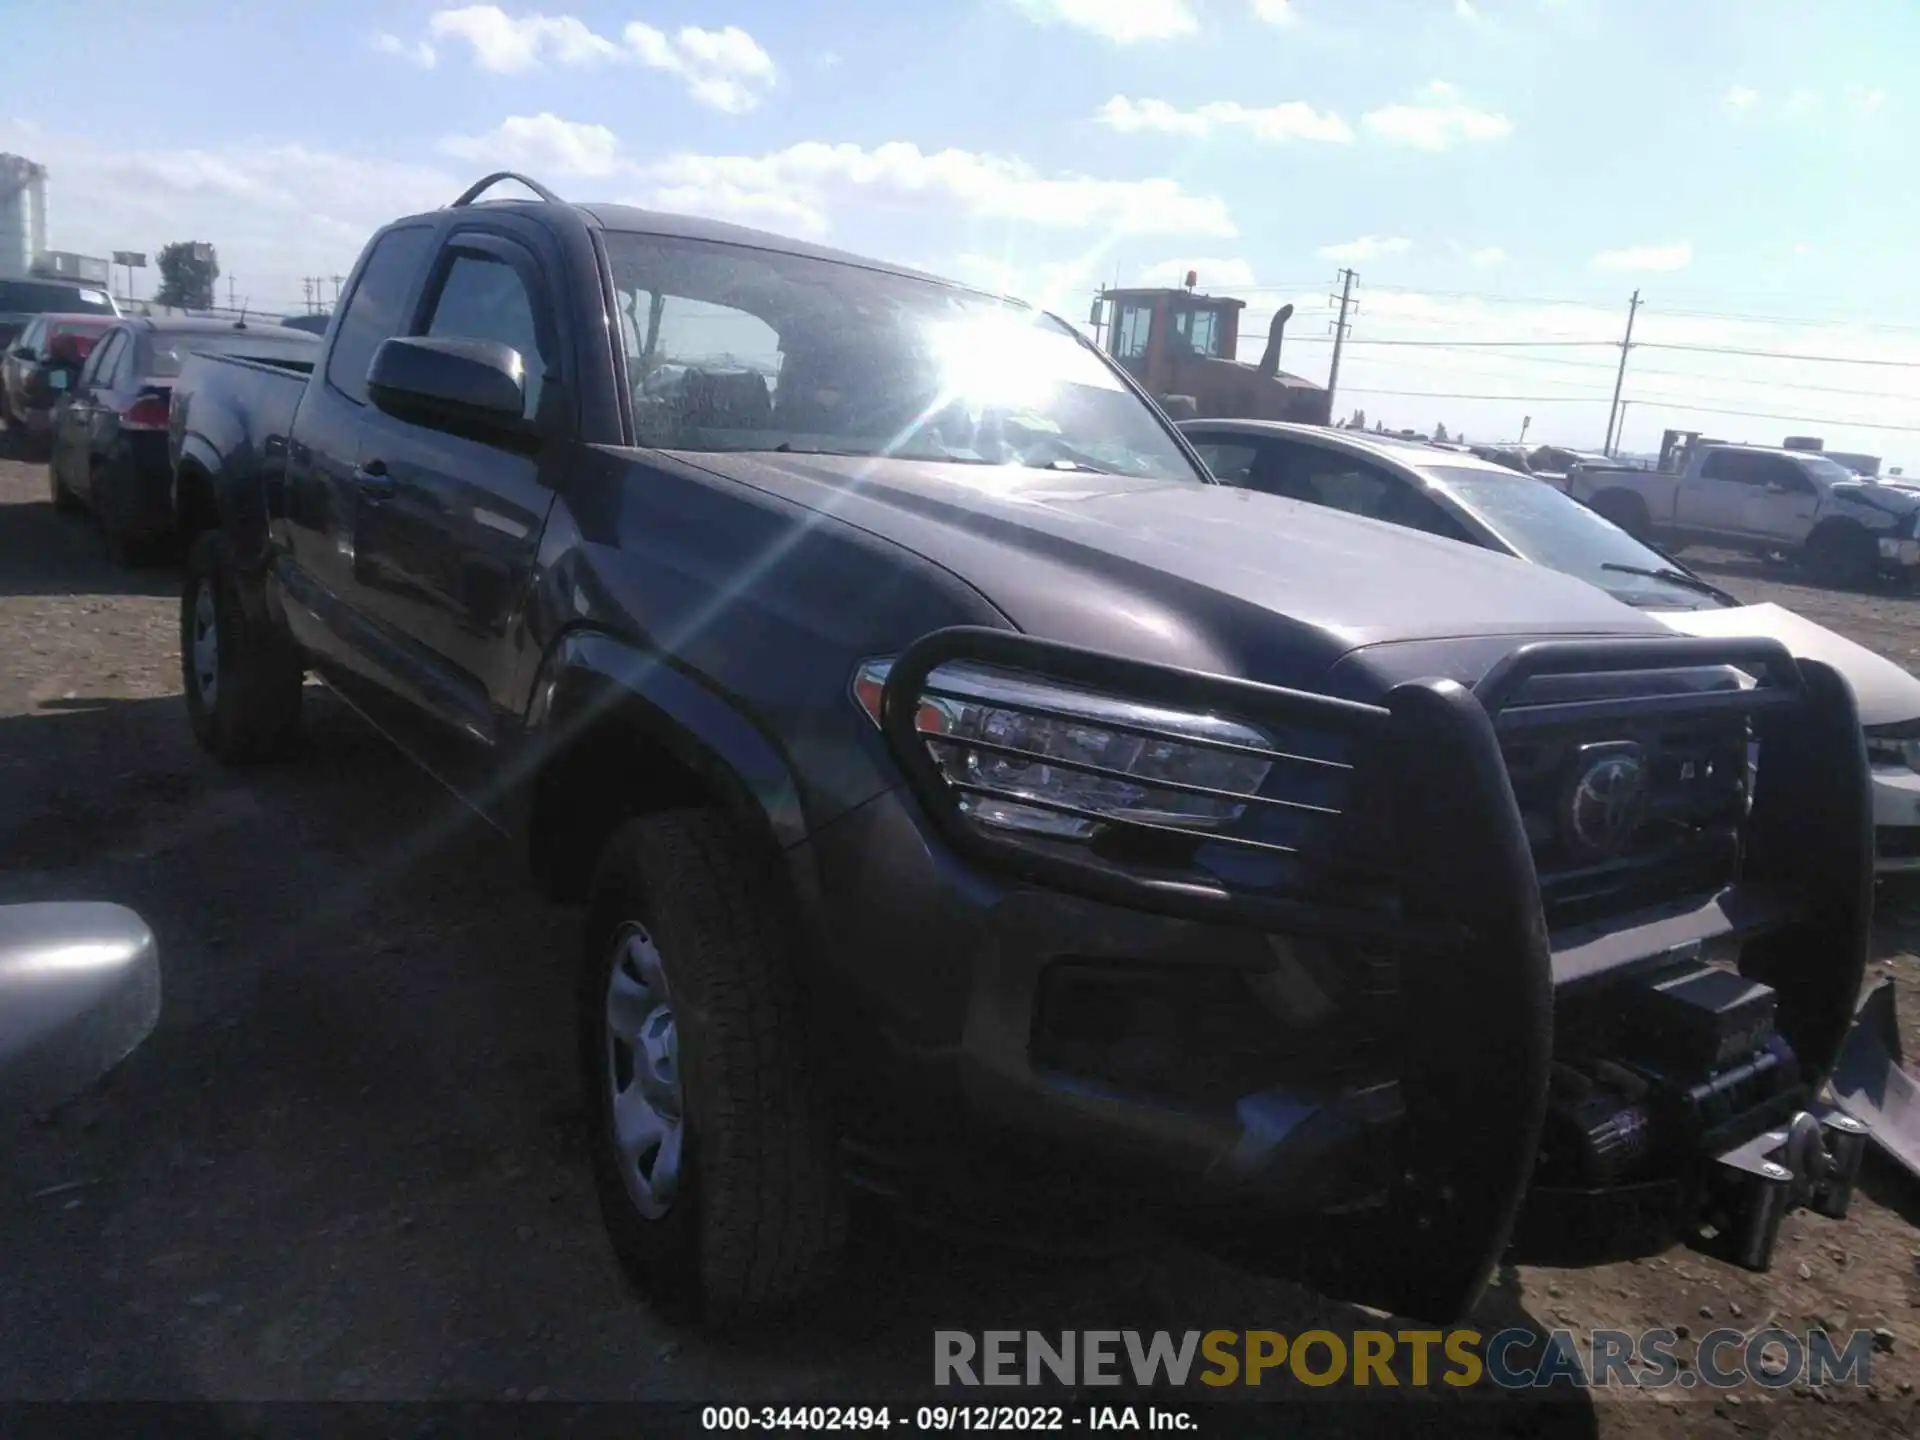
(1783, 502)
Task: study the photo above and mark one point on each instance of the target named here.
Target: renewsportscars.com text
(1511, 1359)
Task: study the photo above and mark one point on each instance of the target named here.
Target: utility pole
(1347, 277)
(230, 292)
(306, 285)
(1620, 379)
(337, 281)
(1098, 317)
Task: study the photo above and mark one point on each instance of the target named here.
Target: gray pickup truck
(975, 802)
(1844, 528)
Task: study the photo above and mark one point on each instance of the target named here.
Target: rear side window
(374, 312)
(101, 359)
(1729, 465)
(31, 337)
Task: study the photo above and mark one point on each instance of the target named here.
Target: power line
(1777, 355)
(1501, 298)
(1457, 395)
(1769, 415)
(1467, 344)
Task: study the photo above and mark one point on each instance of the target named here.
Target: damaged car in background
(975, 802)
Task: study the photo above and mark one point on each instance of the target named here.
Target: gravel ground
(348, 1165)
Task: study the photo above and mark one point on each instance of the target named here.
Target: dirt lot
(348, 1164)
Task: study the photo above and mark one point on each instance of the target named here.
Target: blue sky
(1492, 169)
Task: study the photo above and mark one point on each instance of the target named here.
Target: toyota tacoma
(974, 802)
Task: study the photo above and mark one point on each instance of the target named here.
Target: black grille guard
(1469, 903)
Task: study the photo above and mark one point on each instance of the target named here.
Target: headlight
(1056, 760)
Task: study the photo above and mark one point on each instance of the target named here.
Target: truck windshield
(1549, 527)
(737, 348)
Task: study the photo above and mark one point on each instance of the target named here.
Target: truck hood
(1204, 576)
(1872, 495)
(1884, 692)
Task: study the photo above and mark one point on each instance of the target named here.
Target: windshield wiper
(1675, 577)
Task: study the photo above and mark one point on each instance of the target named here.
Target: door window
(1131, 330)
(483, 297)
(1774, 470)
(373, 312)
(31, 336)
(1344, 482)
(1228, 460)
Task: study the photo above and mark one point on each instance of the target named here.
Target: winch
(1679, 1075)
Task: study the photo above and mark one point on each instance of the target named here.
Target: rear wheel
(714, 1159)
(242, 677)
(1626, 510)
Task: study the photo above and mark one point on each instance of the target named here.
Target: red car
(29, 407)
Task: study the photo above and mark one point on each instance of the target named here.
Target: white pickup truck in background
(1844, 528)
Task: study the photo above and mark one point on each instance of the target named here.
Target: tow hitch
(1811, 1162)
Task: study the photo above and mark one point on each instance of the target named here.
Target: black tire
(64, 500)
(1626, 510)
(757, 1220)
(251, 710)
(1842, 556)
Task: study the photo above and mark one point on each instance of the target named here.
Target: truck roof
(633, 219)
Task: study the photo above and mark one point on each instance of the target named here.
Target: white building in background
(23, 215)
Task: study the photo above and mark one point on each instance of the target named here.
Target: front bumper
(1896, 819)
(1899, 554)
(1409, 1142)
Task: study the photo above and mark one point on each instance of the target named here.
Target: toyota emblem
(1605, 800)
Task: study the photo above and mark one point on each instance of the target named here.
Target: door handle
(374, 481)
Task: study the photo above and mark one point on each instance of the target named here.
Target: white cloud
(1740, 99)
(1367, 247)
(507, 43)
(1290, 120)
(275, 212)
(418, 51)
(1125, 22)
(1676, 256)
(1441, 120)
(1863, 100)
(723, 69)
(1487, 257)
(1276, 12)
(1215, 274)
(1804, 101)
(1062, 286)
(804, 182)
(1464, 10)
(542, 142)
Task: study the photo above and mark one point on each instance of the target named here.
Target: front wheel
(1843, 556)
(713, 1155)
(242, 677)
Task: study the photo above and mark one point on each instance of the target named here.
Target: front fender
(590, 676)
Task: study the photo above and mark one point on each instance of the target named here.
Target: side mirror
(79, 990)
(451, 384)
(23, 352)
